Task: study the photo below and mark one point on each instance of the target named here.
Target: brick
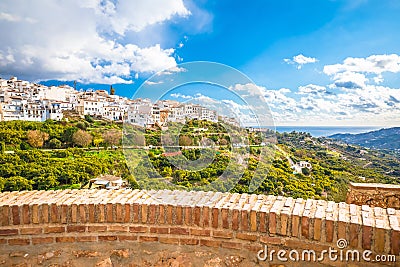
(161, 214)
(31, 231)
(117, 228)
(262, 223)
(35, 213)
(271, 240)
(253, 221)
(26, 218)
(169, 215)
(107, 238)
(196, 215)
(235, 219)
(200, 232)
(8, 232)
(65, 211)
(91, 213)
(272, 223)
(225, 218)
(379, 239)
(138, 229)
(44, 209)
(222, 234)
(148, 238)
(144, 215)
(159, 230)
(15, 215)
(395, 243)
(245, 220)
(65, 239)
(54, 213)
(188, 215)
(231, 245)
(76, 228)
(4, 215)
(210, 243)
(189, 241)
(86, 239)
(295, 225)
(100, 213)
(74, 213)
(19, 242)
(342, 230)
(245, 236)
(100, 228)
(127, 213)
(168, 240)
(179, 215)
(329, 227)
(214, 214)
(305, 223)
(135, 213)
(42, 240)
(354, 232)
(205, 222)
(127, 238)
(82, 213)
(152, 214)
(178, 231)
(317, 229)
(119, 216)
(284, 224)
(109, 213)
(54, 229)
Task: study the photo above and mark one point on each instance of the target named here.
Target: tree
(82, 138)
(112, 137)
(185, 140)
(2, 147)
(17, 183)
(55, 143)
(37, 138)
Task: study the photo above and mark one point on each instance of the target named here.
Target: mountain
(380, 139)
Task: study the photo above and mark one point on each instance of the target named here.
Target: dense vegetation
(68, 153)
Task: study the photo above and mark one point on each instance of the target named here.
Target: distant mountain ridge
(381, 139)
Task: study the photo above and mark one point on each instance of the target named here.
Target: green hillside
(50, 155)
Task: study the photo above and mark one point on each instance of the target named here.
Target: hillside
(380, 139)
(60, 161)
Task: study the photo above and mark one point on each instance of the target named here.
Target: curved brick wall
(223, 223)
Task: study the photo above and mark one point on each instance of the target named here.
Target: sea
(318, 131)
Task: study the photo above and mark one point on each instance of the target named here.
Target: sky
(316, 62)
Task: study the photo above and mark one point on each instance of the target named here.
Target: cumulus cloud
(357, 72)
(300, 60)
(83, 40)
(311, 89)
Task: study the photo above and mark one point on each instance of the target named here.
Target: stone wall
(177, 228)
(375, 195)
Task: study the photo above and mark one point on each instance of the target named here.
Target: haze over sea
(318, 131)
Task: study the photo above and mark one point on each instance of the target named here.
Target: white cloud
(311, 89)
(83, 40)
(300, 60)
(179, 95)
(376, 64)
(356, 72)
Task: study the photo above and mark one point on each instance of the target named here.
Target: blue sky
(317, 62)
